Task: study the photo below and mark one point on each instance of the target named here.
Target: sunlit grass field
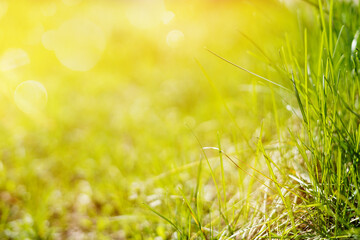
(153, 119)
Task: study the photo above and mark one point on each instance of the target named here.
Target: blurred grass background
(125, 96)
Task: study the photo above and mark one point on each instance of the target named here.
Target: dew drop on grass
(78, 44)
(289, 108)
(30, 97)
(355, 42)
(13, 58)
(175, 38)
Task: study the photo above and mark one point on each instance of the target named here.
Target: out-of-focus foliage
(99, 98)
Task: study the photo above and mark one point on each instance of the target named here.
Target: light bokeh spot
(145, 14)
(49, 9)
(78, 44)
(13, 58)
(288, 3)
(71, 2)
(167, 17)
(3, 8)
(175, 38)
(49, 39)
(30, 97)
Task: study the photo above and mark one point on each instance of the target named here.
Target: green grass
(328, 93)
(255, 136)
(314, 192)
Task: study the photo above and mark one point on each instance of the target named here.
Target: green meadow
(159, 119)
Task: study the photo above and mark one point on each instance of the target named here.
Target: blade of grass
(252, 73)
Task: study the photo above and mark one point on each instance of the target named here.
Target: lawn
(152, 119)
